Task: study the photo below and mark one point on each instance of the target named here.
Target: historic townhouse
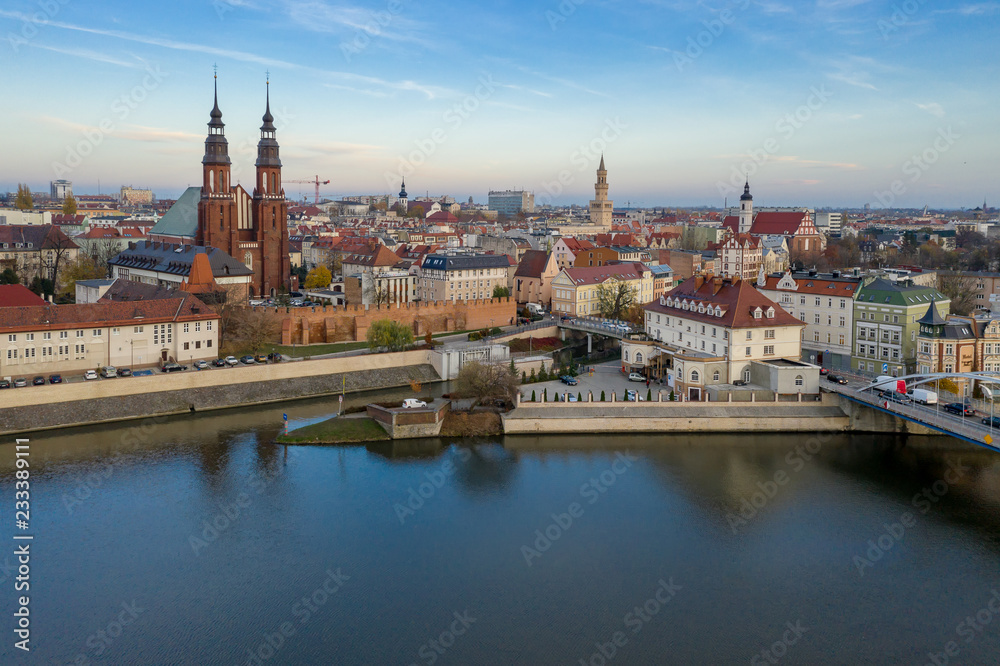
(824, 302)
(575, 290)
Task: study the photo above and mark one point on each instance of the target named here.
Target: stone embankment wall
(312, 325)
(41, 407)
(412, 423)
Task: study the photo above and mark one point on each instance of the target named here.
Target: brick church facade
(252, 229)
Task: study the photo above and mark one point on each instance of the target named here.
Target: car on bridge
(960, 409)
(896, 396)
(992, 421)
(837, 379)
(413, 403)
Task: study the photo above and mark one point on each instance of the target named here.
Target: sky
(831, 103)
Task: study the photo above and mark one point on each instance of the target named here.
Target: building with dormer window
(708, 331)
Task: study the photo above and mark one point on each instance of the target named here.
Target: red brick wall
(345, 323)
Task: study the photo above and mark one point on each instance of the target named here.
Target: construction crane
(315, 181)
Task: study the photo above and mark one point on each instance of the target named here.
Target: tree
(379, 293)
(254, 327)
(416, 211)
(227, 303)
(602, 396)
(501, 292)
(103, 250)
(487, 381)
(59, 247)
(84, 268)
(318, 278)
(9, 276)
(24, 200)
(69, 205)
(336, 264)
(961, 291)
(614, 298)
(389, 335)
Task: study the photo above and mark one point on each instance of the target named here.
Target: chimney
(812, 272)
(699, 280)
(716, 285)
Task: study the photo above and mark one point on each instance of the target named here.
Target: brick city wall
(309, 325)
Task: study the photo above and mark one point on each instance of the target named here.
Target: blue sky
(828, 103)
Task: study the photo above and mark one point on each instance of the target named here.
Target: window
(46, 336)
(30, 337)
(137, 329)
(208, 343)
(817, 301)
(841, 338)
(98, 332)
(843, 304)
(768, 350)
(749, 335)
(842, 322)
(187, 345)
(748, 351)
(895, 319)
(802, 300)
(79, 334)
(815, 336)
(638, 357)
(715, 376)
(816, 319)
(115, 331)
(798, 380)
(694, 375)
(11, 337)
(187, 328)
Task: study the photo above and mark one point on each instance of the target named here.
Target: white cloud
(932, 108)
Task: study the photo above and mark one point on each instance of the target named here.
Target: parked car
(992, 421)
(410, 403)
(232, 360)
(55, 379)
(632, 396)
(570, 397)
(740, 382)
(173, 367)
(20, 382)
(565, 317)
(219, 362)
(960, 409)
(568, 380)
(201, 364)
(4, 384)
(261, 358)
(124, 372)
(823, 372)
(109, 372)
(248, 360)
(38, 381)
(635, 377)
(837, 379)
(90, 374)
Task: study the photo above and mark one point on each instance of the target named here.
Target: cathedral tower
(216, 208)
(746, 210)
(270, 212)
(601, 210)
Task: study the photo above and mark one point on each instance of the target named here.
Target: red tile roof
(104, 313)
(737, 301)
(598, 274)
(779, 223)
(14, 295)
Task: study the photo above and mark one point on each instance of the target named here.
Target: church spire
(216, 146)
(267, 147)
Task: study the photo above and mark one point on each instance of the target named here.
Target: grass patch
(337, 430)
(461, 424)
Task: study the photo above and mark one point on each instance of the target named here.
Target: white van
(885, 383)
(534, 308)
(923, 396)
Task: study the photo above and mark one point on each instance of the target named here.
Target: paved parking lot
(607, 377)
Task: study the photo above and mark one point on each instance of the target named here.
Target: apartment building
(461, 277)
(575, 291)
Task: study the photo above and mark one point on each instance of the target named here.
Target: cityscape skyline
(366, 94)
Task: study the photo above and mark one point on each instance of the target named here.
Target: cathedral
(252, 229)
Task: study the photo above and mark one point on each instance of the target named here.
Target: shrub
(496, 331)
(649, 395)
(602, 396)
(533, 398)
(672, 396)
(524, 377)
(475, 335)
(579, 397)
(545, 395)
(532, 379)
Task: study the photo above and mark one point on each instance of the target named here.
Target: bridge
(969, 429)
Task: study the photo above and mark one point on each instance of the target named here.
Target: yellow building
(575, 290)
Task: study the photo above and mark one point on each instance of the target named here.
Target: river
(195, 540)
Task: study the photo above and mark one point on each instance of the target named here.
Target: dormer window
(757, 313)
(770, 313)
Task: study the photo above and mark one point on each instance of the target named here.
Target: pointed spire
(268, 118)
(601, 168)
(216, 113)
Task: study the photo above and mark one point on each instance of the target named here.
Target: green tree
(318, 278)
(672, 396)
(69, 205)
(416, 211)
(501, 292)
(649, 395)
(24, 200)
(533, 399)
(579, 396)
(615, 298)
(84, 268)
(545, 395)
(9, 276)
(389, 335)
(602, 396)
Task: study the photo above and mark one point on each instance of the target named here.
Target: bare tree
(615, 298)
(228, 304)
(961, 290)
(487, 381)
(254, 327)
(59, 247)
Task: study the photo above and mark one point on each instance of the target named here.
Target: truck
(923, 396)
(534, 308)
(884, 384)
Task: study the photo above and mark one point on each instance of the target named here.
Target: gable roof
(784, 223)
(177, 259)
(182, 218)
(183, 307)
(590, 275)
(17, 295)
(532, 264)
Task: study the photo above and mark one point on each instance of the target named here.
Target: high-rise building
(601, 209)
(60, 189)
(254, 229)
(512, 202)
